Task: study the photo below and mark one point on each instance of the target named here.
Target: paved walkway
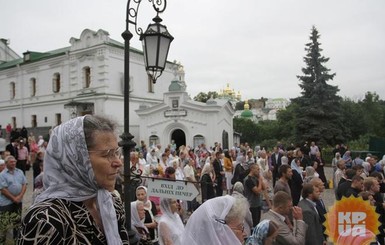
(27, 200)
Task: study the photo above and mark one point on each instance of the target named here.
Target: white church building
(42, 89)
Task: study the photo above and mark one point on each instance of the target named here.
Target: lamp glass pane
(163, 51)
(150, 47)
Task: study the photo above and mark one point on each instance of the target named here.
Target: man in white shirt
(313, 150)
(189, 175)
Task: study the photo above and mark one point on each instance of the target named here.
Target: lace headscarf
(68, 175)
(135, 219)
(205, 225)
(259, 234)
(172, 220)
(297, 168)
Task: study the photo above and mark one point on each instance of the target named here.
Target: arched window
(58, 118)
(33, 86)
(86, 77)
(153, 140)
(198, 139)
(225, 139)
(14, 123)
(56, 82)
(12, 89)
(33, 121)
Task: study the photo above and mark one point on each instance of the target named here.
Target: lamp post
(156, 42)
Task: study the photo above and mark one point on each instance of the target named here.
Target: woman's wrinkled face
(105, 159)
(141, 211)
(174, 206)
(141, 195)
(238, 228)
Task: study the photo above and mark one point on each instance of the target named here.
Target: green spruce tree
(318, 113)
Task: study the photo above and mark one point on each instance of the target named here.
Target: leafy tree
(239, 105)
(352, 119)
(247, 128)
(287, 122)
(373, 113)
(203, 97)
(318, 114)
(268, 130)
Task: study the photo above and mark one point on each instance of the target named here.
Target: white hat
(2, 162)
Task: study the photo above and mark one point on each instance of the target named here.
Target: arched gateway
(179, 137)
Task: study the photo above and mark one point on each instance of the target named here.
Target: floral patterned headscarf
(259, 234)
(68, 174)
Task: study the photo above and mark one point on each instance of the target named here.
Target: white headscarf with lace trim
(136, 222)
(172, 221)
(205, 226)
(68, 175)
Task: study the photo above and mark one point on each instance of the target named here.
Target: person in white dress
(170, 227)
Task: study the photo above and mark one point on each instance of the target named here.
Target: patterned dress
(57, 221)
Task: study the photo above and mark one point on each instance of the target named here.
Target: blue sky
(256, 46)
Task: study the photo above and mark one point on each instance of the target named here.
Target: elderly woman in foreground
(217, 221)
(77, 206)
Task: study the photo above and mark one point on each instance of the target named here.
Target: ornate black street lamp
(156, 43)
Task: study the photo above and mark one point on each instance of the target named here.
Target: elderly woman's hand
(152, 225)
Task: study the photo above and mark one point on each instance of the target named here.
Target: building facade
(43, 89)
(267, 112)
(187, 122)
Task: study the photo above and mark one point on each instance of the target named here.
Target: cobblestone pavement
(27, 200)
(328, 196)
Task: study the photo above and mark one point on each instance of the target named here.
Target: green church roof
(246, 113)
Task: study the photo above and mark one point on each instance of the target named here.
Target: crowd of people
(247, 195)
(22, 153)
(283, 187)
(361, 178)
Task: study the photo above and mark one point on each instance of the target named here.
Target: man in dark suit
(12, 148)
(314, 233)
(356, 186)
(288, 232)
(320, 205)
(218, 169)
(305, 158)
(276, 163)
(345, 183)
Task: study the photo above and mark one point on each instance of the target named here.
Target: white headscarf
(204, 226)
(207, 169)
(135, 219)
(172, 220)
(68, 175)
(297, 168)
(146, 201)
